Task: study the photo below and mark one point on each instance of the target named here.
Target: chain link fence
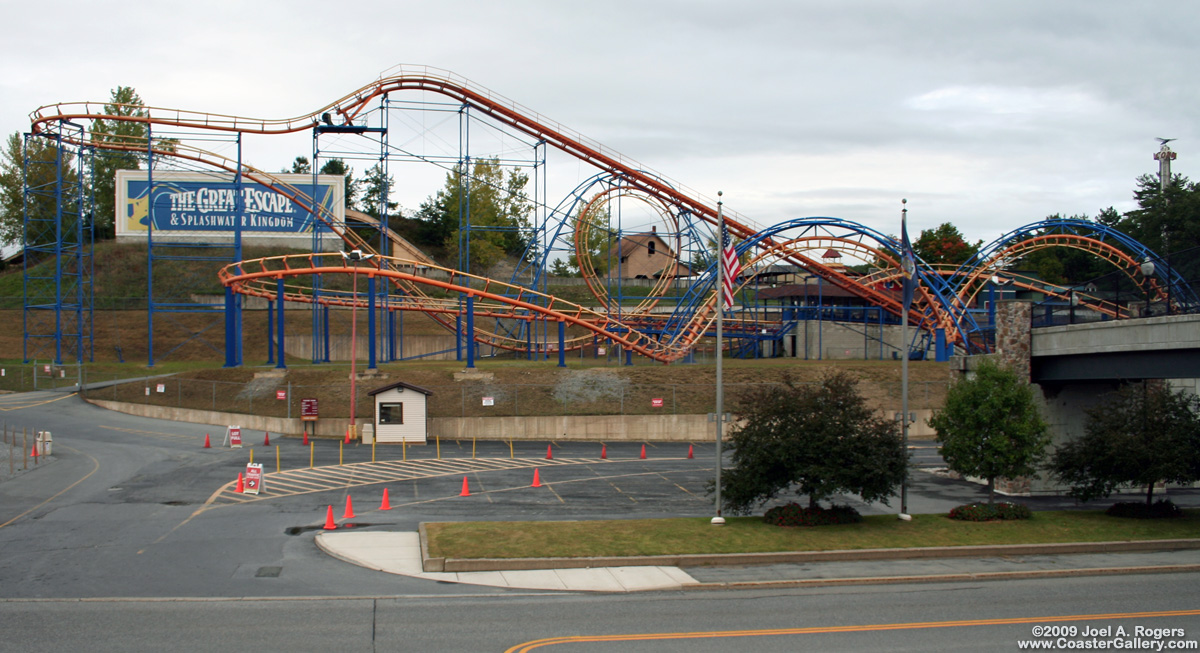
(606, 396)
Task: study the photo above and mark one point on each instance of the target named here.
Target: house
(400, 413)
(648, 256)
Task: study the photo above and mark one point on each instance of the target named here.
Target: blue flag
(908, 263)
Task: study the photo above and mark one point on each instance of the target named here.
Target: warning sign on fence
(489, 401)
(657, 402)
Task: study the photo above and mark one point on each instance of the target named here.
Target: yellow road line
(36, 404)
(95, 466)
(815, 630)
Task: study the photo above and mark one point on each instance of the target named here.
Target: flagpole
(720, 298)
(909, 265)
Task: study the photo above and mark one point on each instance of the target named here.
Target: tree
(301, 166)
(990, 427)
(375, 188)
(821, 439)
(37, 165)
(339, 167)
(601, 242)
(944, 245)
(1139, 435)
(123, 102)
(1166, 219)
(495, 203)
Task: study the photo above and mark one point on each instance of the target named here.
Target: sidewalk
(400, 553)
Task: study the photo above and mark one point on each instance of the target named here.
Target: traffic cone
(266, 439)
(34, 453)
(690, 451)
(305, 443)
(643, 456)
(549, 453)
(240, 487)
(329, 525)
(466, 491)
(603, 451)
(207, 444)
(349, 509)
(537, 482)
(385, 505)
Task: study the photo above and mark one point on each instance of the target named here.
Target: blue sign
(209, 203)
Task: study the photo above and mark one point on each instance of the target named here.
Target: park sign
(198, 205)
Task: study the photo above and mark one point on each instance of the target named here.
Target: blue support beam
(279, 324)
(562, 343)
(371, 358)
(470, 331)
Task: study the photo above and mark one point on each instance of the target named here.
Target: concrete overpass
(1165, 347)
(1073, 367)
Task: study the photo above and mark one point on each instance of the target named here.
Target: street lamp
(356, 256)
(1147, 270)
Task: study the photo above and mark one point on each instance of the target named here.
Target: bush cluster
(793, 514)
(990, 511)
(1161, 509)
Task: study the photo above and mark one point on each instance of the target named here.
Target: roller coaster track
(941, 303)
(445, 83)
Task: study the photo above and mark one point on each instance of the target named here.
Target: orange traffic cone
(34, 453)
(207, 444)
(329, 525)
(466, 491)
(240, 486)
(305, 443)
(537, 482)
(349, 509)
(690, 451)
(385, 505)
(347, 440)
(603, 452)
(643, 456)
(266, 439)
(549, 453)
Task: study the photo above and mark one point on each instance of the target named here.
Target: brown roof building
(648, 256)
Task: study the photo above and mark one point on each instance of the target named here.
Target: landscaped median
(484, 546)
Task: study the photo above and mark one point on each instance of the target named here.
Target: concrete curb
(737, 559)
(945, 578)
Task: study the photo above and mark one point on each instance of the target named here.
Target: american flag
(732, 269)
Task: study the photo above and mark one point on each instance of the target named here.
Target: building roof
(400, 384)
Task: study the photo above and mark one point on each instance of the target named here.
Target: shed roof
(400, 384)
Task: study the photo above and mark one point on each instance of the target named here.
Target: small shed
(400, 413)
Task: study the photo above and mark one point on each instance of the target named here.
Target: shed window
(391, 413)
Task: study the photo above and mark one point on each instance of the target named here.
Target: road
(130, 540)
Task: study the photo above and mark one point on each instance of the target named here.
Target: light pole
(1147, 270)
(356, 256)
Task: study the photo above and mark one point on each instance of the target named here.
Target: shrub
(990, 511)
(793, 514)
(1161, 509)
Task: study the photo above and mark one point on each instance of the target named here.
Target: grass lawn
(570, 539)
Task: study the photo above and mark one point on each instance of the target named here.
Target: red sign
(656, 403)
(281, 395)
(46, 369)
(253, 478)
(308, 409)
(235, 437)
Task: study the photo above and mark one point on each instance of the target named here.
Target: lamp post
(1147, 270)
(356, 256)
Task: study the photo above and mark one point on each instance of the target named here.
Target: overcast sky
(986, 115)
